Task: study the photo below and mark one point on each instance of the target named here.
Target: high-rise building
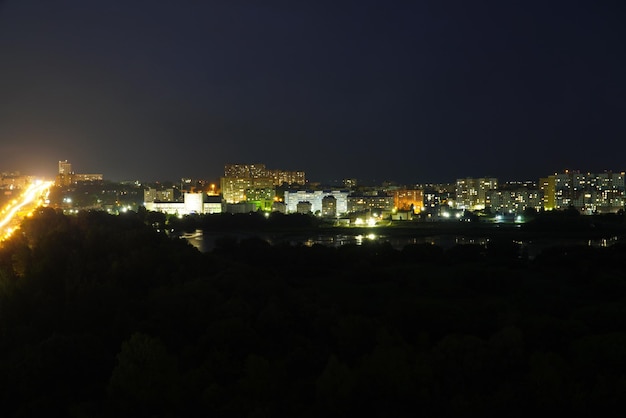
(587, 192)
(257, 171)
(65, 167)
(234, 189)
(472, 193)
(280, 177)
(245, 170)
(514, 200)
(548, 192)
(241, 180)
(65, 177)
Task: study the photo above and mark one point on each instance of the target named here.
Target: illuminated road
(11, 215)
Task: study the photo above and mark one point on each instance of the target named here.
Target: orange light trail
(10, 213)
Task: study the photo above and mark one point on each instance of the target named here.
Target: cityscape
(248, 188)
(105, 293)
(312, 209)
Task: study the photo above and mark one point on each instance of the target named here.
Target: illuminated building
(408, 199)
(14, 181)
(261, 198)
(350, 183)
(213, 204)
(279, 207)
(192, 203)
(280, 177)
(252, 171)
(241, 180)
(234, 189)
(588, 193)
(304, 208)
(154, 195)
(292, 198)
(65, 167)
(472, 193)
(258, 171)
(378, 202)
(78, 177)
(329, 206)
(608, 192)
(66, 175)
(548, 191)
(433, 196)
(516, 201)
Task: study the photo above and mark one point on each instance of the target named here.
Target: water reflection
(207, 241)
(603, 242)
(196, 239)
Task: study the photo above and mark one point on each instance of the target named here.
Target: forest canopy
(105, 315)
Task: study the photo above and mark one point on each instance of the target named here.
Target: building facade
(376, 203)
(473, 193)
(408, 199)
(154, 195)
(586, 192)
(236, 189)
(515, 201)
(193, 203)
(315, 198)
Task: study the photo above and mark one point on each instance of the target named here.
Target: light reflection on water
(206, 242)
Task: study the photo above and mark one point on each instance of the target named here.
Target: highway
(15, 211)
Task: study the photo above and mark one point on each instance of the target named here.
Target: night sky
(409, 91)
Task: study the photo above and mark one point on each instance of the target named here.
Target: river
(206, 242)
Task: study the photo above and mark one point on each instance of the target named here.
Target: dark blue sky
(411, 91)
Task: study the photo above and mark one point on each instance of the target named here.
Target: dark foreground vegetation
(103, 316)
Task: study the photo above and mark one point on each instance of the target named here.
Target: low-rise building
(193, 203)
(315, 198)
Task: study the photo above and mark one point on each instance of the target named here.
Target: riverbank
(204, 231)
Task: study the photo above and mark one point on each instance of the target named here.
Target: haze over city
(406, 91)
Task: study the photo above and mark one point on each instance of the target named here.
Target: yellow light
(28, 197)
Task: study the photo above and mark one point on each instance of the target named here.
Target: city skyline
(411, 93)
(65, 165)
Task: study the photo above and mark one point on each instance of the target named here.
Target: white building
(193, 203)
(292, 198)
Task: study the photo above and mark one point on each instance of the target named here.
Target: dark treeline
(104, 316)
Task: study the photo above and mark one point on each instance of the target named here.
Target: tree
(146, 378)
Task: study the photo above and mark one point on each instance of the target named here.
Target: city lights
(33, 196)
